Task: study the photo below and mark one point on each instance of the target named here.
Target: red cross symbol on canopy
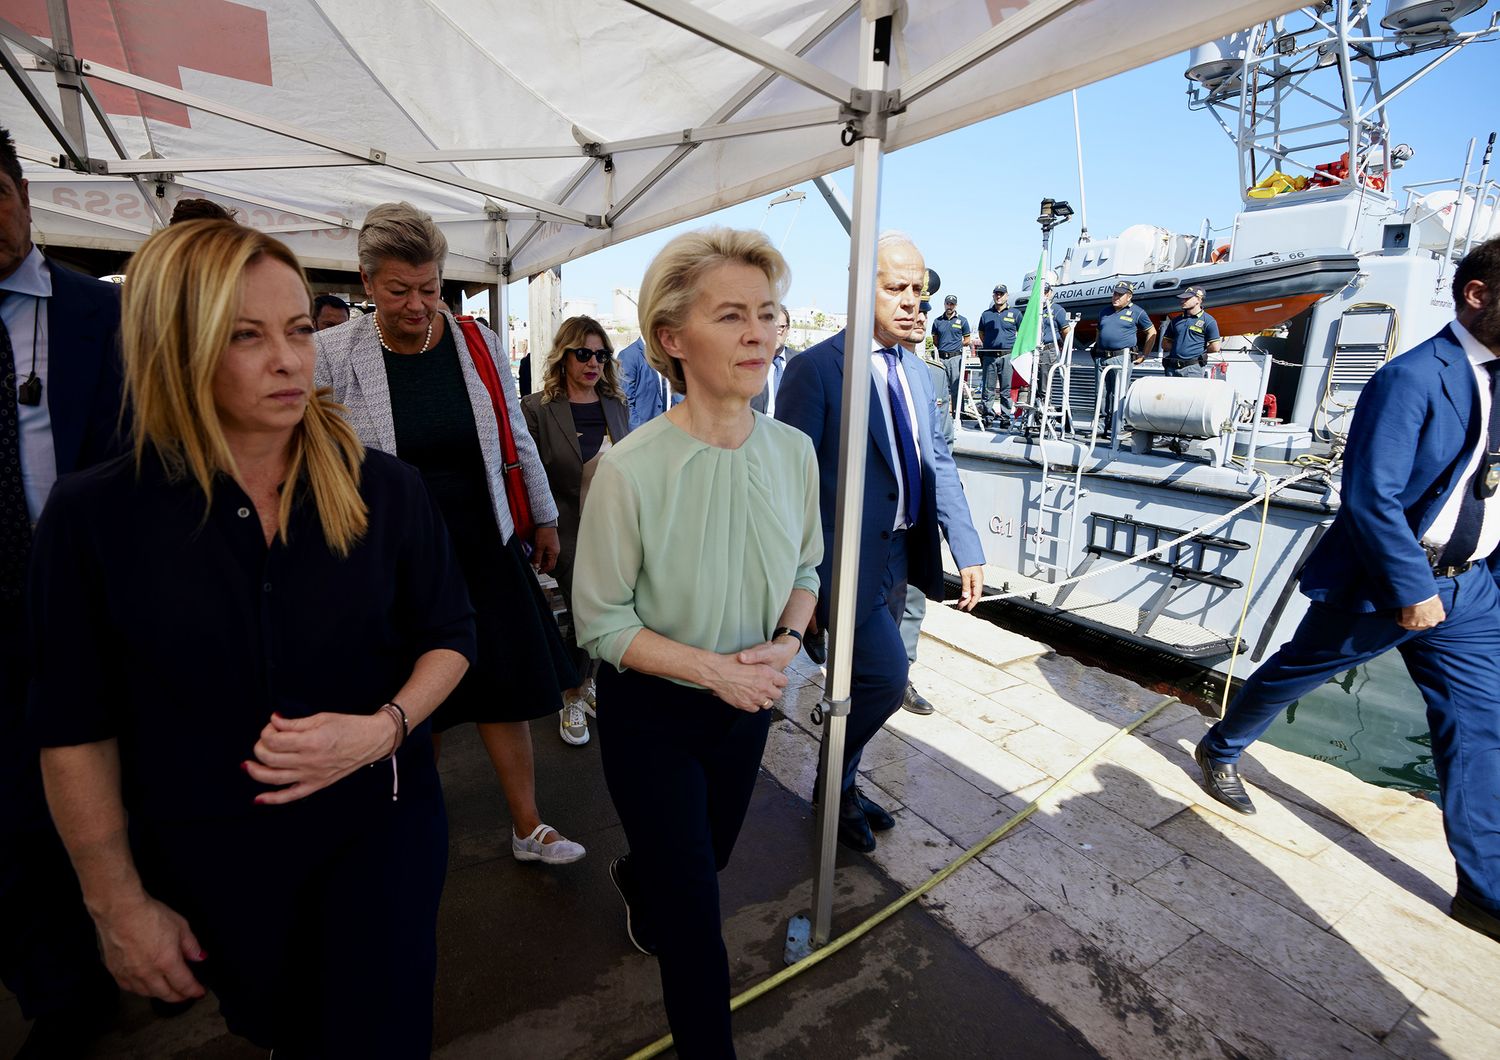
(156, 39)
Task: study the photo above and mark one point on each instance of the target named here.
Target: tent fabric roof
(511, 121)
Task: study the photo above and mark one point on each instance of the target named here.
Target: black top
(435, 433)
(180, 633)
(588, 421)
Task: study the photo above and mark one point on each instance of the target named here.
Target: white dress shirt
(23, 307)
(878, 369)
(1447, 518)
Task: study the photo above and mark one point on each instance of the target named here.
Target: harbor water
(1369, 721)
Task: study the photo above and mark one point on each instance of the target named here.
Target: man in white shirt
(1410, 563)
(912, 501)
(765, 401)
(59, 412)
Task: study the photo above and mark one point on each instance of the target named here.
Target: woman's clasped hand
(299, 756)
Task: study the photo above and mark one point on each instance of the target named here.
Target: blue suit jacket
(642, 385)
(811, 399)
(83, 370)
(1414, 428)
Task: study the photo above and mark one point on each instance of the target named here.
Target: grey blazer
(350, 361)
(552, 428)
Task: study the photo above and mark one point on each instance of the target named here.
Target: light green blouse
(700, 544)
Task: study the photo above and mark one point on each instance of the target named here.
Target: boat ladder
(1054, 523)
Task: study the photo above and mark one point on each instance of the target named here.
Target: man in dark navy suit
(911, 494)
(1410, 563)
(59, 412)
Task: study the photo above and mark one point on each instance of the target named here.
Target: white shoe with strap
(558, 852)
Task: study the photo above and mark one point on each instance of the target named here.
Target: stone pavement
(1149, 918)
(1130, 916)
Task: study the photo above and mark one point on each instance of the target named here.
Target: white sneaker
(558, 852)
(573, 722)
(590, 703)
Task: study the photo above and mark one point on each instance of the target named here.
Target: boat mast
(1083, 198)
(1267, 89)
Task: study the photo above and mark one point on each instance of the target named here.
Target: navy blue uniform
(1190, 337)
(1119, 328)
(1053, 324)
(949, 333)
(997, 335)
(997, 328)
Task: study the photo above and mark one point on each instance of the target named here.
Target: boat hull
(1245, 297)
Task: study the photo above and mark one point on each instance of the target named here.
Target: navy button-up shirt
(179, 632)
(1118, 328)
(997, 328)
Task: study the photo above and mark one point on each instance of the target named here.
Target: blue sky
(969, 199)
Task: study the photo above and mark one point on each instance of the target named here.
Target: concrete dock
(1129, 916)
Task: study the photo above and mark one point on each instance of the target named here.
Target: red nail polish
(245, 767)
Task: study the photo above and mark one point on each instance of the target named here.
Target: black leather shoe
(877, 816)
(854, 828)
(635, 927)
(915, 702)
(816, 646)
(1475, 917)
(1222, 781)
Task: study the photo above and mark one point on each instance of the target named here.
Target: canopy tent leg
(874, 47)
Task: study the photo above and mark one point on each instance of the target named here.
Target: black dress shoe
(854, 828)
(1475, 917)
(636, 928)
(915, 702)
(816, 647)
(1222, 781)
(877, 816)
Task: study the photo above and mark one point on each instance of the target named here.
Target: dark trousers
(48, 954)
(1183, 369)
(881, 668)
(1109, 383)
(994, 365)
(681, 767)
(953, 368)
(319, 921)
(1456, 664)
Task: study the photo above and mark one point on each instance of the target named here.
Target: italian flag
(1030, 331)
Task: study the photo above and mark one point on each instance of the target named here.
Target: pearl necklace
(381, 334)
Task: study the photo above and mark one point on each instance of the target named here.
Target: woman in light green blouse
(696, 571)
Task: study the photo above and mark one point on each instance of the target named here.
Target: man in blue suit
(59, 412)
(646, 389)
(911, 493)
(1410, 563)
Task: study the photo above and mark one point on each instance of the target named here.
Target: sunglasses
(583, 355)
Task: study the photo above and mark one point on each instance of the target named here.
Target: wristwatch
(786, 631)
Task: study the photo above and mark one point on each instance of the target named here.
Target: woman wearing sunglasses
(576, 415)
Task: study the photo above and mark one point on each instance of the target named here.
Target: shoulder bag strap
(515, 480)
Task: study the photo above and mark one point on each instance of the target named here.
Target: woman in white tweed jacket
(406, 378)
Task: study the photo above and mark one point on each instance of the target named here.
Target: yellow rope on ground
(1234, 654)
(870, 923)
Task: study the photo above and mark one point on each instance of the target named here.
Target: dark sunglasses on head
(583, 355)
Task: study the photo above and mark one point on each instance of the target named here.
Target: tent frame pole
(869, 148)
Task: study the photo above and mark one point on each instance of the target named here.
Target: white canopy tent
(536, 132)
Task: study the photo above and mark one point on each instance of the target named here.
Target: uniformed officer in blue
(997, 336)
(950, 334)
(1188, 339)
(1119, 338)
(1410, 563)
(1052, 333)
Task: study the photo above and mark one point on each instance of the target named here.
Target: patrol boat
(1182, 535)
